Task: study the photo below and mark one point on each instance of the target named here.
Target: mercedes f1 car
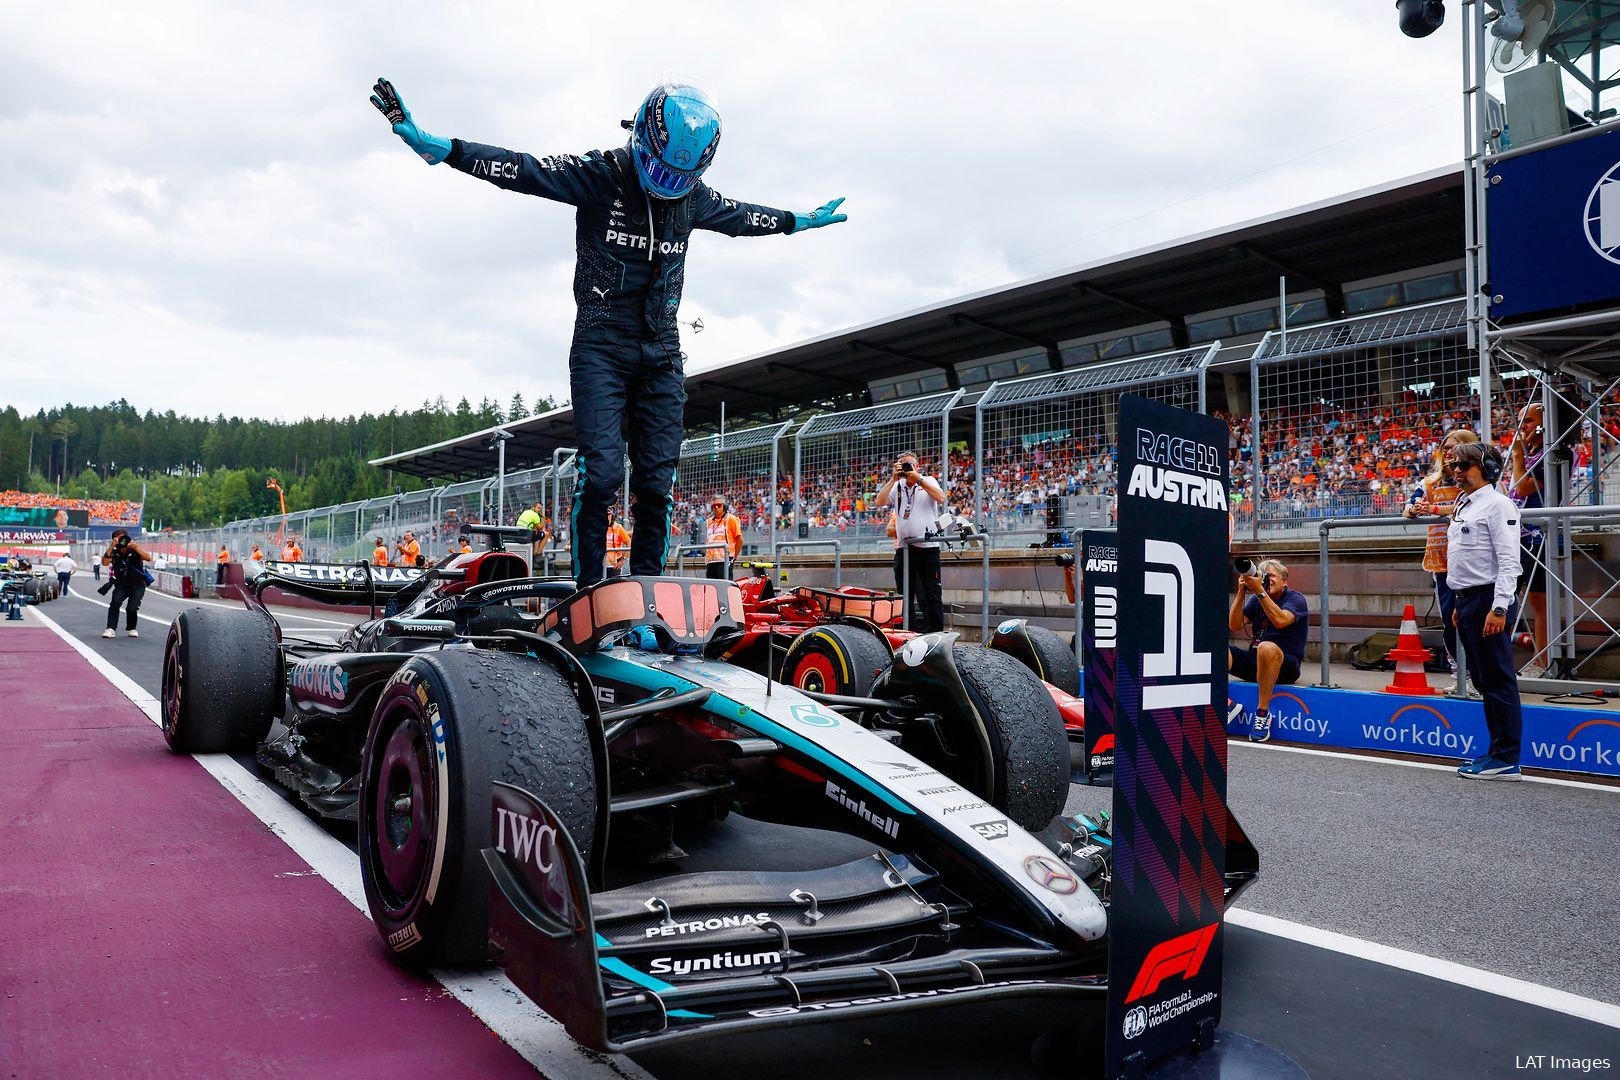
(654, 843)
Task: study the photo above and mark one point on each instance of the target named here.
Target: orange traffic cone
(1409, 656)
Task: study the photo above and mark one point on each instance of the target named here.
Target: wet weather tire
(1029, 751)
(836, 659)
(221, 680)
(448, 724)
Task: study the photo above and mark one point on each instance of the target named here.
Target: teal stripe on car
(613, 965)
(649, 678)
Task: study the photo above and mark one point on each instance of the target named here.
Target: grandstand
(102, 511)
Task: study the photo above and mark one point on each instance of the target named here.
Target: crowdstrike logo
(1589, 742)
(884, 824)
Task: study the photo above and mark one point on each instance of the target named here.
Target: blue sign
(1554, 227)
(1569, 739)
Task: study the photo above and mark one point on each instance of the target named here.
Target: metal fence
(840, 460)
(1350, 413)
(1046, 445)
(742, 467)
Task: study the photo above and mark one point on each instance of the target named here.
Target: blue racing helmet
(673, 139)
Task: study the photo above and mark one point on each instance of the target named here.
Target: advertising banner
(1568, 738)
(1099, 643)
(1555, 227)
(43, 517)
(31, 536)
(1164, 959)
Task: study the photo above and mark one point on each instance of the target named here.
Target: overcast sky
(200, 210)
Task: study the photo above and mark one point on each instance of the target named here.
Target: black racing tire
(222, 687)
(1029, 750)
(836, 658)
(1059, 665)
(499, 716)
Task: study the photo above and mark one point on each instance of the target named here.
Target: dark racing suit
(625, 365)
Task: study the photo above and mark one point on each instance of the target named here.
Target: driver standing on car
(637, 208)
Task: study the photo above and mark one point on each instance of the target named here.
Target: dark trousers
(63, 578)
(927, 608)
(130, 597)
(635, 387)
(721, 570)
(1443, 596)
(1490, 667)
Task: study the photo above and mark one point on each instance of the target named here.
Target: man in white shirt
(1482, 569)
(64, 570)
(916, 501)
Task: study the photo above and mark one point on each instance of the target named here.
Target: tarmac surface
(1513, 879)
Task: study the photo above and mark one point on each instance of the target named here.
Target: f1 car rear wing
(333, 583)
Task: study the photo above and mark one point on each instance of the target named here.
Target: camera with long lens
(1243, 566)
(1420, 18)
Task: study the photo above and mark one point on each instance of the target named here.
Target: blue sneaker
(1489, 768)
(1260, 730)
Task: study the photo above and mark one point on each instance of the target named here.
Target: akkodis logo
(1591, 744)
(1422, 728)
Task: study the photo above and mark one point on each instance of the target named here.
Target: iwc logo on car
(1135, 1022)
(1050, 875)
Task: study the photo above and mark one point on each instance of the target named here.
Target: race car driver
(637, 207)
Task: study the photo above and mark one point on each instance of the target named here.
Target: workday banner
(1569, 739)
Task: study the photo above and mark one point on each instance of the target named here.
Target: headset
(1486, 456)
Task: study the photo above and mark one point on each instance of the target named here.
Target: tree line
(199, 471)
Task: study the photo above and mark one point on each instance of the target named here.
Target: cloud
(209, 216)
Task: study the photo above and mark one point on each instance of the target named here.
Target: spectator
(1277, 618)
(126, 575)
(409, 551)
(1524, 488)
(1436, 496)
(291, 552)
(724, 539)
(464, 548)
(534, 519)
(916, 500)
(379, 553)
(617, 538)
(64, 570)
(1483, 553)
(257, 556)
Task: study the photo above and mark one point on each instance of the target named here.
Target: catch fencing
(1350, 414)
(742, 467)
(1045, 445)
(840, 460)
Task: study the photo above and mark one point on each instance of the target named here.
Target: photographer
(1277, 618)
(916, 501)
(126, 577)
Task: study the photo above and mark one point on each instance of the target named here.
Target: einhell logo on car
(888, 826)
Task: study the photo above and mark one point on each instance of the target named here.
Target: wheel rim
(815, 672)
(401, 811)
(171, 691)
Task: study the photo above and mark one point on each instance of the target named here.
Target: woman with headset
(1482, 569)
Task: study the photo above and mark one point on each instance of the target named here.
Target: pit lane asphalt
(1512, 878)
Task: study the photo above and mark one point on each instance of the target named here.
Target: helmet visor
(660, 179)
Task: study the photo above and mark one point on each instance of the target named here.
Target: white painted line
(1490, 982)
(103, 605)
(279, 612)
(539, 1039)
(1435, 765)
(187, 603)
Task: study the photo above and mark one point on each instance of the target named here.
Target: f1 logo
(1182, 956)
(1177, 658)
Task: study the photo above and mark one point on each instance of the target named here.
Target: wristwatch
(1498, 611)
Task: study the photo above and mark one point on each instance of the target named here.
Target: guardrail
(837, 550)
(1558, 553)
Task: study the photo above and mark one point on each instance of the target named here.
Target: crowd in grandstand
(102, 511)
